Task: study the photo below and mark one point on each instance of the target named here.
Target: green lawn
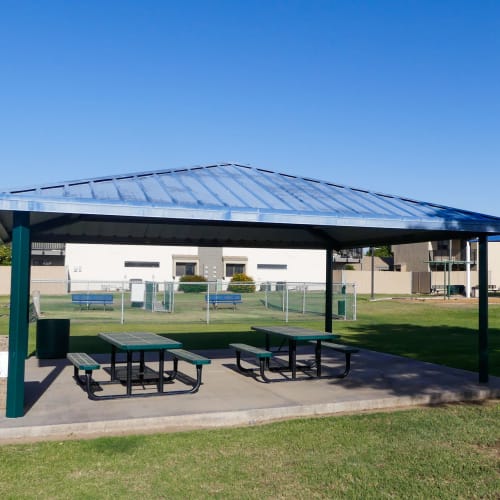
(439, 331)
(447, 452)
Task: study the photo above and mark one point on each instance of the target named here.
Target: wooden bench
(216, 299)
(83, 362)
(190, 357)
(88, 299)
(261, 354)
(346, 349)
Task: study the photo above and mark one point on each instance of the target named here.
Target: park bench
(83, 362)
(347, 350)
(217, 299)
(189, 357)
(88, 299)
(262, 355)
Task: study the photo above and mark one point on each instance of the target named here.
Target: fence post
(286, 302)
(123, 304)
(208, 303)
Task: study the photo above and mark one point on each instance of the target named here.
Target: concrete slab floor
(57, 408)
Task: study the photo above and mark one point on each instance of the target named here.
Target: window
(185, 268)
(232, 269)
(140, 263)
(272, 266)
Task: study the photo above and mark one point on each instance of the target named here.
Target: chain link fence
(187, 302)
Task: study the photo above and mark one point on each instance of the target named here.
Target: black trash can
(52, 338)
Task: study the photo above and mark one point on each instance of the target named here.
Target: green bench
(83, 362)
(346, 349)
(189, 357)
(262, 355)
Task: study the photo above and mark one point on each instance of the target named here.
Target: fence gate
(420, 282)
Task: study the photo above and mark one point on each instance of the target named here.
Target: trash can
(341, 308)
(52, 338)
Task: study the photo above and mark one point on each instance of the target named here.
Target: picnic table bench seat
(83, 362)
(88, 299)
(345, 349)
(190, 357)
(216, 299)
(262, 355)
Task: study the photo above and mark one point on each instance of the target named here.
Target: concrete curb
(176, 423)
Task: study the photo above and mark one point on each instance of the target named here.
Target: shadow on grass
(447, 345)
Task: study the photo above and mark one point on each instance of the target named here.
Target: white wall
(107, 262)
(302, 265)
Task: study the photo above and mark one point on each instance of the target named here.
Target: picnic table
(294, 335)
(141, 342)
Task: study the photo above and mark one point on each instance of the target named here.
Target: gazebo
(228, 205)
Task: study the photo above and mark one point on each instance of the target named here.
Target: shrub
(237, 284)
(193, 284)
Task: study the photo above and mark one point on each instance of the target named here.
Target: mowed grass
(446, 452)
(438, 331)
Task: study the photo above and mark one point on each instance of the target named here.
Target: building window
(232, 269)
(272, 266)
(185, 268)
(140, 263)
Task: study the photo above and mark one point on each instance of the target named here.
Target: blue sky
(401, 97)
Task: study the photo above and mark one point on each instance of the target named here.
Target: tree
(5, 255)
(382, 251)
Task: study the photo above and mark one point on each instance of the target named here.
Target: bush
(237, 284)
(193, 284)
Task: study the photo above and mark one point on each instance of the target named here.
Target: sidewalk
(58, 409)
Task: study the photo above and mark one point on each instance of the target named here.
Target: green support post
(19, 311)
(483, 310)
(329, 291)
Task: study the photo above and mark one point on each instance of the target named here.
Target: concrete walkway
(58, 409)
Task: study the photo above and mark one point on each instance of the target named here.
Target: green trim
(329, 291)
(19, 311)
(483, 310)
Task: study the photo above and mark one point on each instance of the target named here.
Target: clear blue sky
(401, 97)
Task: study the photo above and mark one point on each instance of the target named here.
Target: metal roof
(230, 205)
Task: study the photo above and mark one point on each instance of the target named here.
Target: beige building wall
(48, 280)
(412, 256)
(385, 282)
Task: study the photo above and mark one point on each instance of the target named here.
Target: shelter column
(19, 312)
(483, 309)
(329, 291)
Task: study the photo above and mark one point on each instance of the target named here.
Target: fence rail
(187, 302)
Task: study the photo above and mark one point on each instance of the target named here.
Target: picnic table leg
(141, 365)
(129, 373)
(113, 362)
(292, 357)
(318, 358)
(161, 364)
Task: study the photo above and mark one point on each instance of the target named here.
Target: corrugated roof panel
(130, 189)
(176, 189)
(246, 182)
(104, 189)
(80, 190)
(154, 189)
(233, 193)
(273, 190)
(335, 196)
(209, 192)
